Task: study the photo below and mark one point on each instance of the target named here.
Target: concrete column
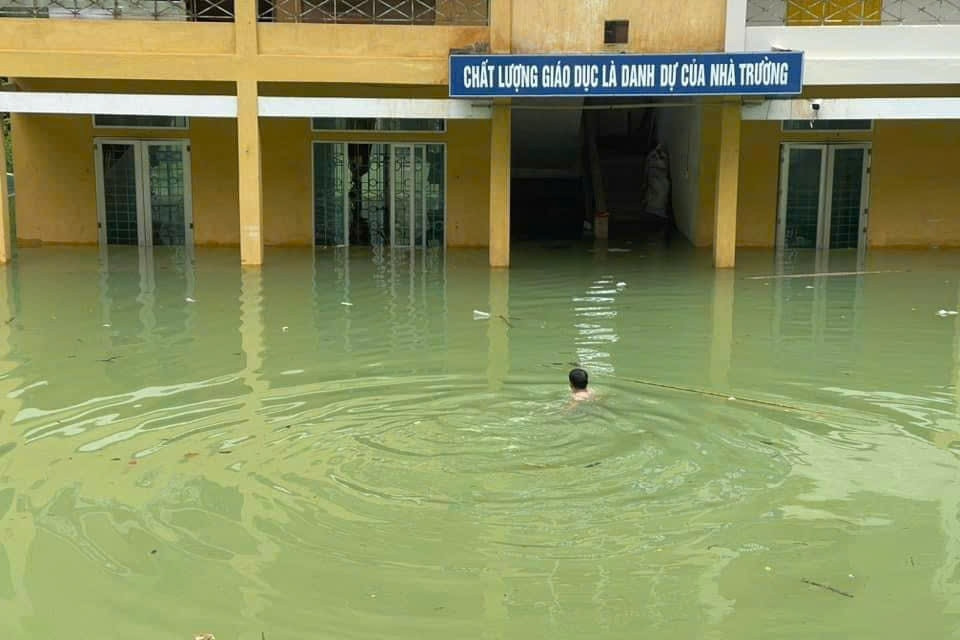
(735, 27)
(6, 242)
(728, 176)
(500, 186)
(248, 137)
(721, 343)
(251, 176)
(498, 330)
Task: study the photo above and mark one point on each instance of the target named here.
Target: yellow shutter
(829, 12)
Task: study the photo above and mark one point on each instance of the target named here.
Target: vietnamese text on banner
(491, 76)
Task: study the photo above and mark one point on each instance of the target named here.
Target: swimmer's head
(578, 380)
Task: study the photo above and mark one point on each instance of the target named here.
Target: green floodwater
(334, 447)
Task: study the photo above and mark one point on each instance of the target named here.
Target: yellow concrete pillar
(251, 175)
(498, 330)
(501, 36)
(721, 344)
(728, 175)
(6, 242)
(248, 138)
(500, 186)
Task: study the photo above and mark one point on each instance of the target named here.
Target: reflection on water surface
(334, 446)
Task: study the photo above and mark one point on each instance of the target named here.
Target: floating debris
(943, 313)
(826, 587)
(347, 304)
(188, 299)
(480, 315)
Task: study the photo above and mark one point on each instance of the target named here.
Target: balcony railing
(851, 12)
(176, 10)
(416, 12)
(410, 12)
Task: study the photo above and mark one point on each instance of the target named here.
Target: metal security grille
(120, 193)
(416, 12)
(167, 191)
(803, 198)
(183, 10)
(846, 194)
(330, 184)
(852, 12)
(434, 181)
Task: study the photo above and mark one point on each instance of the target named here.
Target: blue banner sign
(703, 74)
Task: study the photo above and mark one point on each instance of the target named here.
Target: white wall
(885, 55)
(678, 129)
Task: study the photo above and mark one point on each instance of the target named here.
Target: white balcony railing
(851, 12)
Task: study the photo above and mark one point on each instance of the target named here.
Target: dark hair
(578, 379)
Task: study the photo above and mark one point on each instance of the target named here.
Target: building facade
(328, 122)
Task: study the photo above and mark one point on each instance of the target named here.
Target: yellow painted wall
(216, 205)
(358, 40)
(759, 174)
(468, 183)
(159, 50)
(914, 187)
(546, 26)
(287, 183)
(915, 184)
(126, 36)
(56, 178)
(56, 191)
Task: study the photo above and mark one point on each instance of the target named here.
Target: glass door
(379, 194)
(846, 223)
(166, 210)
(823, 196)
(143, 193)
(330, 193)
(402, 196)
(119, 195)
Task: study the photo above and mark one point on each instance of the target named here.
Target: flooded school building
(478, 123)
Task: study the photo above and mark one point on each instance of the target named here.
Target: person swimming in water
(578, 385)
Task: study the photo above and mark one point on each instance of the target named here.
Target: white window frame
(824, 213)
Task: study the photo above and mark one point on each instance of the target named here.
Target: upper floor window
(827, 125)
(379, 124)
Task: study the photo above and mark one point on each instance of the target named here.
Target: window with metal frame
(405, 125)
(827, 125)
